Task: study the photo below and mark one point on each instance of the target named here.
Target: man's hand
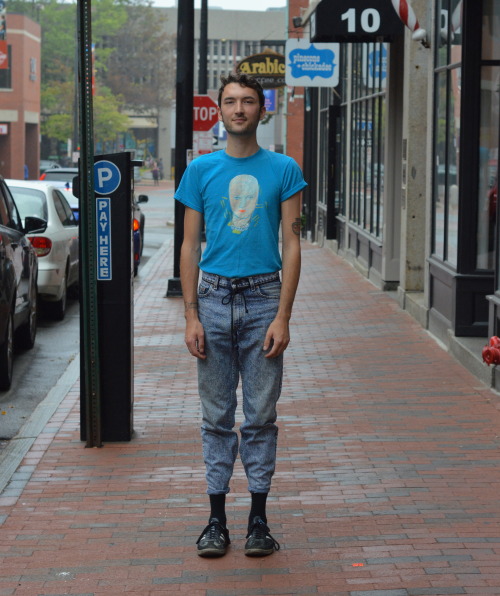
(277, 338)
(195, 338)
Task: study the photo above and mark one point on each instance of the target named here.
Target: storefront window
(447, 131)
(491, 30)
(488, 166)
(452, 164)
(367, 168)
(6, 73)
(323, 173)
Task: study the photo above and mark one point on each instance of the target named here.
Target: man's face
(240, 110)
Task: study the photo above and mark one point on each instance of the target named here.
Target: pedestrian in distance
(155, 172)
(237, 314)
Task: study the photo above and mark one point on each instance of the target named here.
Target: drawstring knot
(234, 291)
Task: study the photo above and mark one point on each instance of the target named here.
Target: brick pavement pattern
(388, 475)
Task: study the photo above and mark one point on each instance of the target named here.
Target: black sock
(258, 507)
(218, 508)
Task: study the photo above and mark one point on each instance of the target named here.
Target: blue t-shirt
(240, 199)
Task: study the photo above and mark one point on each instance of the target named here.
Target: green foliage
(108, 120)
(130, 42)
(58, 126)
(142, 66)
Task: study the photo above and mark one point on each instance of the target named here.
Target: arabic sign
(268, 68)
(311, 64)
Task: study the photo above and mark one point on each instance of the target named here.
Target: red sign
(205, 114)
(4, 56)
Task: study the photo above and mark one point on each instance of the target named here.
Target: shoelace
(213, 531)
(260, 531)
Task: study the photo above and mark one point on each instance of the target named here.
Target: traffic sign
(205, 115)
(107, 177)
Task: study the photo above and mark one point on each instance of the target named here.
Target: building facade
(20, 98)
(402, 159)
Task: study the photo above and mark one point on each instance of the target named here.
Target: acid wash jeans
(235, 314)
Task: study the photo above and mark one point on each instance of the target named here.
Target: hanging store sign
(311, 65)
(268, 68)
(355, 21)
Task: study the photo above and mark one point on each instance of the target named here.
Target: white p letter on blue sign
(107, 177)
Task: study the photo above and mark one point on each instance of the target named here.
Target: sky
(230, 4)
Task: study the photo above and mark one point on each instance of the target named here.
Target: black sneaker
(260, 542)
(214, 540)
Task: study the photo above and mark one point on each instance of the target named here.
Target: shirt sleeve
(293, 180)
(188, 192)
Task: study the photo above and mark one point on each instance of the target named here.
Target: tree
(133, 63)
(142, 67)
(108, 119)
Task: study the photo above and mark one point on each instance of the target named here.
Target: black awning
(355, 21)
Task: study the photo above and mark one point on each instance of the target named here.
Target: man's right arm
(189, 266)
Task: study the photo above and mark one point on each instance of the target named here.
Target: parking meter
(113, 178)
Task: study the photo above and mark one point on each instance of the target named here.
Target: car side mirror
(142, 199)
(34, 224)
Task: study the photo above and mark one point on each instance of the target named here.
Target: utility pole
(203, 51)
(183, 124)
(89, 359)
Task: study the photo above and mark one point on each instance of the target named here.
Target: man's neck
(241, 146)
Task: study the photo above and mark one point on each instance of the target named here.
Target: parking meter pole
(89, 359)
(183, 125)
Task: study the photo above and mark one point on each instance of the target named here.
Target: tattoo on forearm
(190, 305)
(296, 226)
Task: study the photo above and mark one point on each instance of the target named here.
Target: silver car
(56, 245)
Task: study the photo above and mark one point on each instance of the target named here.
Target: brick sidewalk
(388, 476)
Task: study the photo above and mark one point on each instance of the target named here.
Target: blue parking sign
(107, 177)
(104, 267)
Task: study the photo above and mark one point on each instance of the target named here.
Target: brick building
(20, 98)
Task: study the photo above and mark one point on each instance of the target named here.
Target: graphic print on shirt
(243, 196)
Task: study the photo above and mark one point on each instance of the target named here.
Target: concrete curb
(13, 454)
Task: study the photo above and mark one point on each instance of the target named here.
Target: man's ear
(262, 112)
(219, 113)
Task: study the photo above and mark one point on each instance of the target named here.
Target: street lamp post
(183, 125)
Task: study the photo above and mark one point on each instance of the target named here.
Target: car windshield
(30, 202)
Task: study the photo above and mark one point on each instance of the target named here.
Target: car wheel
(26, 334)
(7, 355)
(58, 308)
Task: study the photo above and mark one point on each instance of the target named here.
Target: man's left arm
(278, 334)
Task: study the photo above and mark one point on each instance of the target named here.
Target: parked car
(18, 283)
(74, 203)
(138, 225)
(63, 176)
(46, 164)
(56, 245)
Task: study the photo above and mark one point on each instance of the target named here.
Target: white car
(56, 245)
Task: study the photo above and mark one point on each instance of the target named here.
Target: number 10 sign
(355, 21)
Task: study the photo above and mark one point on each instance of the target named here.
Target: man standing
(237, 316)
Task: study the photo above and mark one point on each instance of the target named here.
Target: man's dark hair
(245, 81)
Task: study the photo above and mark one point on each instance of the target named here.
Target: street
(58, 343)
